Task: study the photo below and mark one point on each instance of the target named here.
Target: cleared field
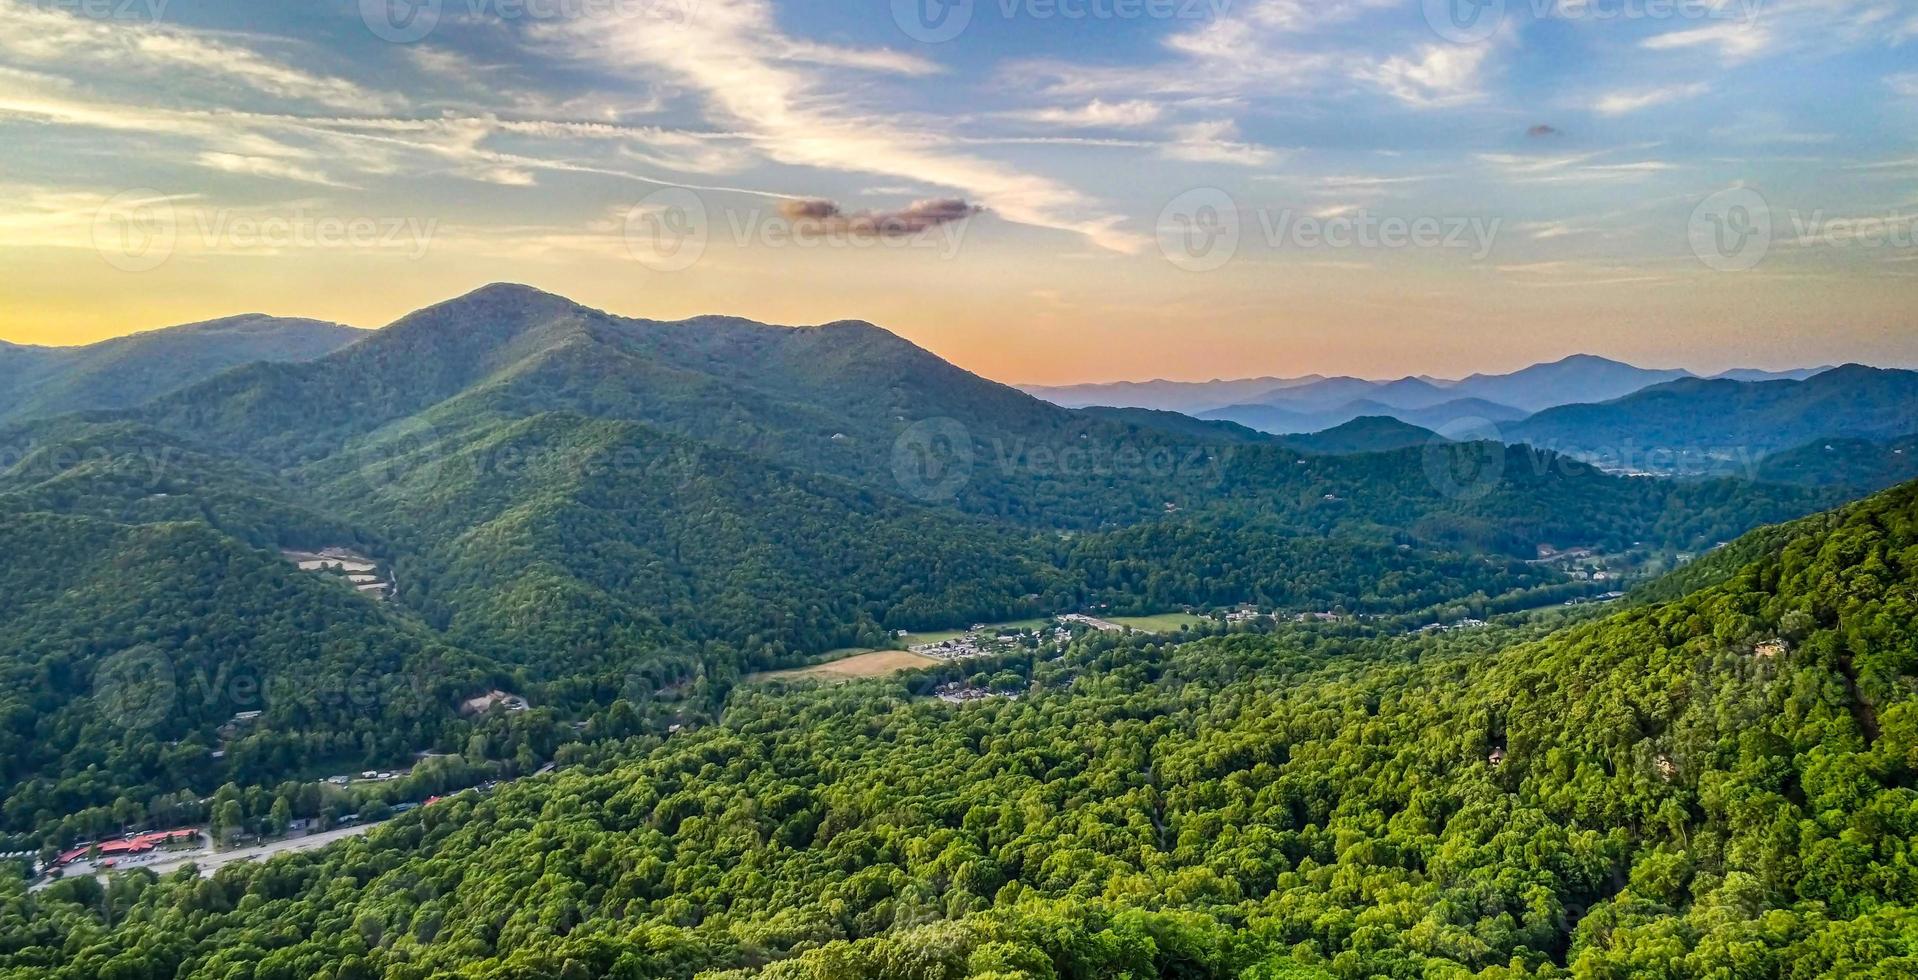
(1164, 623)
(940, 636)
(878, 663)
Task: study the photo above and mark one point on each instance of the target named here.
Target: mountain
(1470, 413)
(1858, 465)
(1182, 425)
(1577, 379)
(1276, 420)
(582, 509)
(1754, 374)
(1724, 777)
(1187, 397)
(1700, 426)
(1370, 434)
(1581, 378)
(39, 382)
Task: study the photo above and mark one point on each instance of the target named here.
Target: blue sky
(1017, 184)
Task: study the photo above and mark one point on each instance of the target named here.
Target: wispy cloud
(1733, 41)
(1620, 103)
(49, 37)
(1215, 141)
(749, 76)
(1096, 114)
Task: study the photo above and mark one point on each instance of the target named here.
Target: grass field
(876, 663)
(1163, 623)
(915, 639)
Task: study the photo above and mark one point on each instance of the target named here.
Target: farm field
(1163, 623)
(875, 663)
(940, 636)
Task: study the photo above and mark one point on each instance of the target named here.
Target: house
(485, 702)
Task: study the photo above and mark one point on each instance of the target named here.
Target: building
(130, 846)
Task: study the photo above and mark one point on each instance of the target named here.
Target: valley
(936, 490)
(512, 541)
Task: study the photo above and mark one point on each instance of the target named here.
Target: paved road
(211, 861)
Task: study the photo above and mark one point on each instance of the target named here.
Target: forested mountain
(1721, 426)
(127, 646)
(581, 507)
(1370, 434)
(38, 382)
(1859, 465)
(1721, 784)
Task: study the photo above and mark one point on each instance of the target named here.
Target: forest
(1718, 784)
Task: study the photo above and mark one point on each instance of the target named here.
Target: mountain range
(1313, 403)
(585, 508)
(1708, 426)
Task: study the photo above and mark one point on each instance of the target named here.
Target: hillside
(1721, 780)
(39, 382)
(1370, 434)
(582, 508)
(1859, 465)
(1718, 426)
(128, 646)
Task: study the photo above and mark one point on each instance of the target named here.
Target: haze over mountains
(1313, 403)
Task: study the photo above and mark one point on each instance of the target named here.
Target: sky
(1042, 191)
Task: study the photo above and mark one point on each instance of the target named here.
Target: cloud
(49, 38)
(264, 167)
(1096, 115)
(1620, 103)
(1905, 84)
(1215, 141)
(752, 77)
(1440, 75)
(1734, 41)
(1569, 168)
(817, 216)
